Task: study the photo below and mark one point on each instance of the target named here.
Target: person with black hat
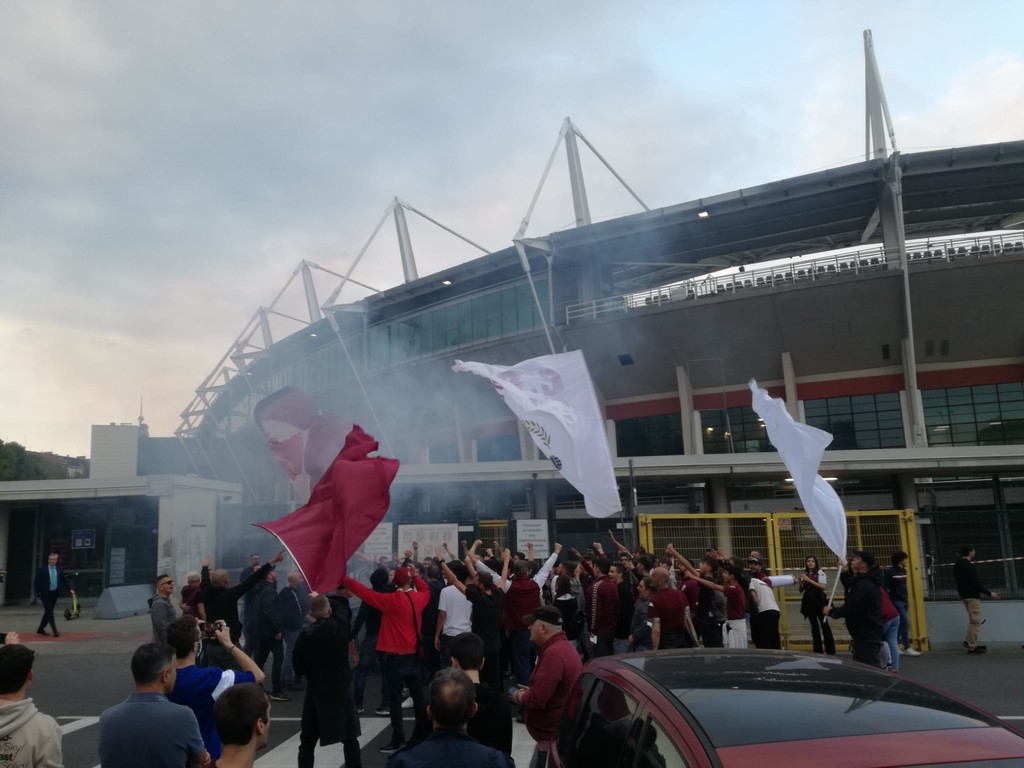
(558, 666)
(862, 607)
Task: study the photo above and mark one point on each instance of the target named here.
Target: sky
(164, 167)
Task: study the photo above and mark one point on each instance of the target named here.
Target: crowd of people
(446, 632)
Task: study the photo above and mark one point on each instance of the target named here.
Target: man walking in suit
(50, 579)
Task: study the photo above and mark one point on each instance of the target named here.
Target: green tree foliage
(18, 464)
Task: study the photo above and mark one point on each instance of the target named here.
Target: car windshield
(751, 698)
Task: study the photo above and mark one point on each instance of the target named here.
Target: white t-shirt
(765, 596)
(458, 612)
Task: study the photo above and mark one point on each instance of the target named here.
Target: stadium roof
(950, 191)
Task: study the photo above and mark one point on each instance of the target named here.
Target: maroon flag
(347, 503)
(302, 438)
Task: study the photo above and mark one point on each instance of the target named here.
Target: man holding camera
(199, 687)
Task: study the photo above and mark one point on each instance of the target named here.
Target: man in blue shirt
(147, 729)
(199, 687)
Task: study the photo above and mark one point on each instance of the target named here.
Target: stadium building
(880, 300)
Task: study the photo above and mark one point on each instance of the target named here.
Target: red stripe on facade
(968, 377)
(734, 398)
(866, 385)
(643, 408)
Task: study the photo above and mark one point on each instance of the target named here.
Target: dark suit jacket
(42, 581)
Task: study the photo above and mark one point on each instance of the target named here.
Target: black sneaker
(391, 747)
(279, 696)
(382, 712)
(979, 649)
(359, 710)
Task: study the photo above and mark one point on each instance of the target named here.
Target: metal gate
(490, 531)
(785, 540)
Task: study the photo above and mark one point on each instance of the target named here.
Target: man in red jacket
(558, 666)
(398, 645)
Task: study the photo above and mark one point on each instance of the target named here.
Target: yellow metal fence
(785, 539)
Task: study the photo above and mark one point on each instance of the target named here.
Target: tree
(18, 464)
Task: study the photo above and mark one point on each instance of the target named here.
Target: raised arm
(243, 660)
(448, 574)
(618, 544)
(506, 558)
(675, 554)
(545, 570)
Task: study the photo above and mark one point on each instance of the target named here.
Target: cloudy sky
(164, 167)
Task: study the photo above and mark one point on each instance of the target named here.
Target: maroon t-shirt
(735, 601)
(669, 605)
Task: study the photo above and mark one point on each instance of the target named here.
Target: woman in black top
(813, 601)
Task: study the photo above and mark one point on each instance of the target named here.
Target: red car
(762, 709)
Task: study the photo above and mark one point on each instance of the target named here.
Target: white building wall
(115, 451)
(187, 532)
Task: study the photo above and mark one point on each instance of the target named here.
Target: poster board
(535, 531)
(380, 543)
(428, 536)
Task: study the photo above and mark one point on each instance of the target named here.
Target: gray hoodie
(28, 738)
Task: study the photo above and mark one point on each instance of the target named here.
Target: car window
(601, 730)
(656, 749)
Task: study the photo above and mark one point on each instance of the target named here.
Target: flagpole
(835, 586)
(521, 250)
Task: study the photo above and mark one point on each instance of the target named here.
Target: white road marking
(78, 724)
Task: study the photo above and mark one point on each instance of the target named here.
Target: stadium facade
(880, 300)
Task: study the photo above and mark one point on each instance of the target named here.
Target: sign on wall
(84, 538)
(535, 531)
(429, 536)
(379, 543)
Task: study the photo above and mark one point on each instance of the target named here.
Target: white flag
(554, 398)
(801, 448)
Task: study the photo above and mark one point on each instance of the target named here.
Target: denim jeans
(889, 631)
(904, 635)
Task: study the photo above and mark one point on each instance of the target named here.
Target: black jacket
(269, 615)
(321, 657)
(862, 608)
(222, 603)
(967, 585)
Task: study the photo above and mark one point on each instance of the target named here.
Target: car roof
(741, 697)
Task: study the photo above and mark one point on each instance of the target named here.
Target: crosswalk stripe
(77, 725)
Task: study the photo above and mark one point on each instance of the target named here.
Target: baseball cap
(402, 576)
(545, 613)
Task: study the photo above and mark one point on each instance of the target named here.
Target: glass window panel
(444, 454)
(508, 312)
(440, 335)
(524, 308)
(465, 321)
(498, 448)
(479, 313)
(451, 326)
(492, 310)
(1011, 391)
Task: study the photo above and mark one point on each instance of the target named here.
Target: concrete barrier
(122, 602)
